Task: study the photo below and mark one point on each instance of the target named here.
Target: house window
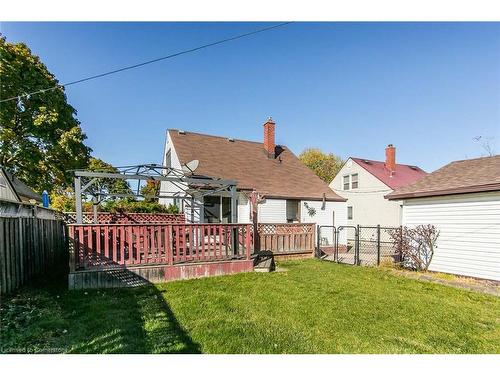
(217, 209)
(346, 182)
(354, 181)
(292, 211)
(168, 159)
(349, 212)
(351, 181)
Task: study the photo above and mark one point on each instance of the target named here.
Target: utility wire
(148, 62)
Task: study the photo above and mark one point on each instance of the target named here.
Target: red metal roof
(404, 174)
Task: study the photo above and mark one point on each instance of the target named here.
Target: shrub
(416, 245)
(138, 206)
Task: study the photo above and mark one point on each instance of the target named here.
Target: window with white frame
(349, 212)
(217, 209)
(354, 181)
(292, 211)
(346, 182)
(351, 181)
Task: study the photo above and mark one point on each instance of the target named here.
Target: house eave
(454, 191)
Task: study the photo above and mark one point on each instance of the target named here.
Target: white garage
(462, 200)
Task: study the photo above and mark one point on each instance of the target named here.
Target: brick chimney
(390, 158)
(269, 142)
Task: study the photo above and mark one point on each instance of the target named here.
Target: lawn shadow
(45, 317)
(164, 332)
(131, 320)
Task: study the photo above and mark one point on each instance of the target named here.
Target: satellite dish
(190, 166)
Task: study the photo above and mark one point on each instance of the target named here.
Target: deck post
(248, 240)
(234, 205)
(234, 219)
(78, 199)
(71, 247)
(94, 209)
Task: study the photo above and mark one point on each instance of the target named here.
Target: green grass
(313, 307)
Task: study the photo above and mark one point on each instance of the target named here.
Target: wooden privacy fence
(287, 238)
(30, 247)
(108, 245)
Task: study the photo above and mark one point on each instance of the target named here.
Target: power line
(148, 62)
(362, 192)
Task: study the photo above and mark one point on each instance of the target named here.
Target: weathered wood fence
(94, 246)
(30, 247)
(287, 238)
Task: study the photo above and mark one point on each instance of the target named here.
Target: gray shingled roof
(20, 188)
(462, 176)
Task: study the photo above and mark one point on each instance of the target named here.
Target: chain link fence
(358, 245)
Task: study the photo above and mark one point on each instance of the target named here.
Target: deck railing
(287, 238)
(107, 245)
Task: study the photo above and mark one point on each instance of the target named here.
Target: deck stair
(264, 262)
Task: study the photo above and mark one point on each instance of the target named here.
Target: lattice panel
(126, 218)
(266, 229)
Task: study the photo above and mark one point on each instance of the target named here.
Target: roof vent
(182, 132)
(413, 167)
(367, 161)
(230, 139)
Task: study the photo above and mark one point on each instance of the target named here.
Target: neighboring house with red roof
(462, 199)
(364, 183)
(288, 190)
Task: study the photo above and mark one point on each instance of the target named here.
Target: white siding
(469, 225)
(368, 202)
(167, 187)
(272, 211)
(243, 209)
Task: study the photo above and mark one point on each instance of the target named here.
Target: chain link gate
(357, 245)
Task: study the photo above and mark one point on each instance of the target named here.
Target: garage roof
(462, 176)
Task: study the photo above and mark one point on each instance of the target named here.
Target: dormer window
(351, 181)
(354, 181)
(346, 182)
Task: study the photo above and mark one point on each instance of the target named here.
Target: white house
(288, 191)
(462, 199)
(365, 183)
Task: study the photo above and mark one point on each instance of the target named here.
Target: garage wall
(469, 224)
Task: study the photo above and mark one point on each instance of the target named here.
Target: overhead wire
(191, 50)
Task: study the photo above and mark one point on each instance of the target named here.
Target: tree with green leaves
(325, 166)
(40, 136)
(150, 190)
(105, 185)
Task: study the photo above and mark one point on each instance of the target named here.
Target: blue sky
(346, 88)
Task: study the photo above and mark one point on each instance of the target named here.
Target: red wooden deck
(106, 245)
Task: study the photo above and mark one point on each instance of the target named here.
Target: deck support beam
(78, 199)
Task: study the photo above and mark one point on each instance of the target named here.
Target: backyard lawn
(312, 307)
